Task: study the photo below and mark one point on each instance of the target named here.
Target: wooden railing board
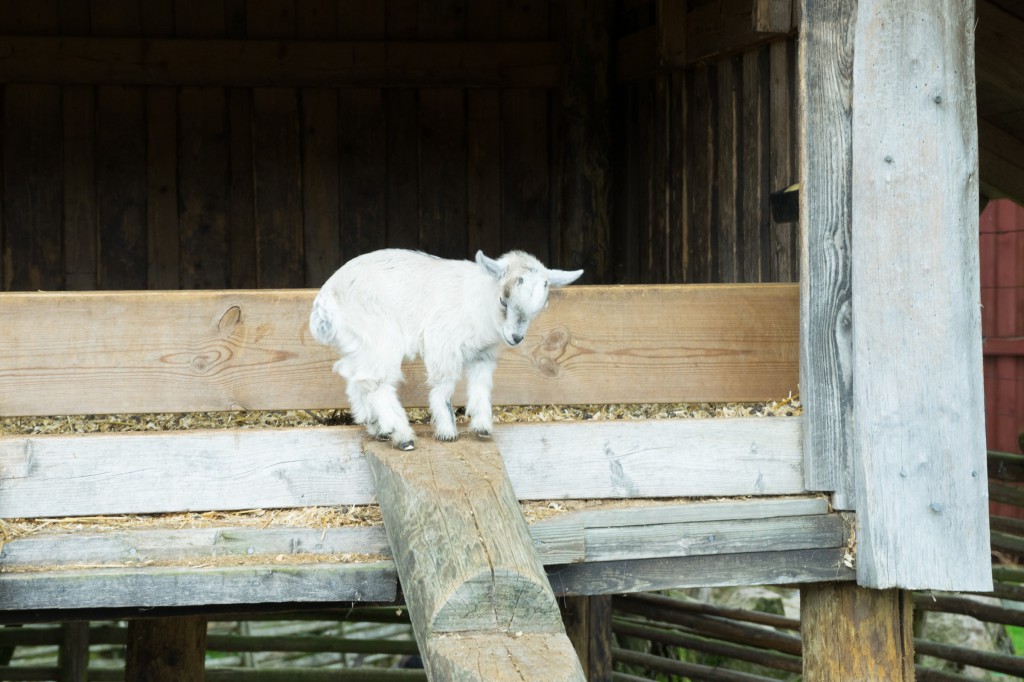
(120, 473)
(187, 351)
(709, 570)
(686, 528)
(104, 588)
(278, 63)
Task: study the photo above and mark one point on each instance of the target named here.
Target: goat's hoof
(483, 434)
(446, 437)
(405, 445)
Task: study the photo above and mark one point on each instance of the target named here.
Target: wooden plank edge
(573, 541)
(248, 63)
(41, 475)
(60, 595)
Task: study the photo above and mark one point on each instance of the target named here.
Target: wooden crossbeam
(688, 528)
(185, 351)
(479, 600)
(119, 473)
(259, 63)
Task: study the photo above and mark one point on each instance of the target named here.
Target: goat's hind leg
(374, 401)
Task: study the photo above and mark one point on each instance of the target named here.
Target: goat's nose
(516, 338)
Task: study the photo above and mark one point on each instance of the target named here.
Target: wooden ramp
(478, 597)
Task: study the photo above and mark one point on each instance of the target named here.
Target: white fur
(392, 305)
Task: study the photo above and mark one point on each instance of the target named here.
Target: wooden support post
(478, 597)
(588, 622)
(922, 496)
(166, 650)
(73, 657)
(853, 634)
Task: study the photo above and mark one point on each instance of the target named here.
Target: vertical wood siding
(697, 154)
(165, 187)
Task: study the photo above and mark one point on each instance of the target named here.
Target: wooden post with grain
(890, 318)
(478, 597)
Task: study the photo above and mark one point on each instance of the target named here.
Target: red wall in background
(1002, 326)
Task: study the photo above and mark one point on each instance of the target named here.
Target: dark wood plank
(362, 175)
(318, 19)
(825, 142)
(402, 18)
(165, 649)
(754, 215)
(699, 176)
(483, 175)
(588, 622)
(115, 17)
(241, 191)
(658, 220)
(33, 164)
(783, 252)
(442, 173)
(79, 159)
(277, 187)
(676, 178)
(203, 192)
(727, 267)
(121, 187)
(403, 168)
(263, 61)
(526, 189)
(582, 142)
(163, 236)
(321, 213)
(270, 18)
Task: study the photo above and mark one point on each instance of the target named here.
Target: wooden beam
(166, 650)
(688, 528)
(588, 622)
(852, 633)
(825, 89)
(922, 500)
(716, 29)
(101, 594)
(73, 652)
(184, 351)
(751, 568)
(273, 63)
(477, 594)
(90, 474)
(161, 586)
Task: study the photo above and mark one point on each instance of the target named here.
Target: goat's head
(523, 284)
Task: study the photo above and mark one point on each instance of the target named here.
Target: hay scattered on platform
(65, 424)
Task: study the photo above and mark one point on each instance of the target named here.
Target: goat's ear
(490, 266)
(559, 278)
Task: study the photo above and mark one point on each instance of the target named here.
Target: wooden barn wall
(106, 186)
(129, 187)
(698, 153)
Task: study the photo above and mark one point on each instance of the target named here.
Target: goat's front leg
(442, 375)
(479, 382)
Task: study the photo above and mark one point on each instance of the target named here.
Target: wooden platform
(613, 547)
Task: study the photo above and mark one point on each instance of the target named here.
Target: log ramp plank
(478, 597)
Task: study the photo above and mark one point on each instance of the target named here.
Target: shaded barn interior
(181, 144)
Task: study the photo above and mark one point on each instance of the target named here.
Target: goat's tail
(320, 324)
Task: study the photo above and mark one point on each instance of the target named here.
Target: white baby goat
(392, 305)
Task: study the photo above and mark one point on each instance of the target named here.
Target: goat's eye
(503, 303)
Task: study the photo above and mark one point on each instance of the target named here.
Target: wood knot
(548, 367)
(556, 340)
(230, 319)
